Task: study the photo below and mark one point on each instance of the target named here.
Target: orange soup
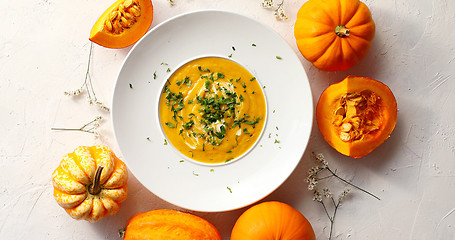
(212, 110)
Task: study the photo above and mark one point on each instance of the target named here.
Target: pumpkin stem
(95, 188)
(342, 31)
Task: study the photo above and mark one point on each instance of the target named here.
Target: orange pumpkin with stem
(356, 115)
(168, 224)
(334, 34)
(123, 23)
(272, 221)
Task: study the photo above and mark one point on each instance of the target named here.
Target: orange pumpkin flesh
(334, 34)
(356, 115)
(123, 23)
(272, 221)
(168, 224)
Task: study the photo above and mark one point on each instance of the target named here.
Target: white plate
(137, 129)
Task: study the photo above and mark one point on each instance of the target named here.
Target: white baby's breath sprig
(90, 127)
(87, 86)
(325, 196)
(278, 11)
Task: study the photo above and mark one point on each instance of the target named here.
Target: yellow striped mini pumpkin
(90, 183)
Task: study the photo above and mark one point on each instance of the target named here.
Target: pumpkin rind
(385, 116)
(130, 28)
(76, 173)
(272, 221)
(316, 36)
(168, 224)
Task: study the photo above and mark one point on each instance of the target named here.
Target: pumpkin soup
(212, 110)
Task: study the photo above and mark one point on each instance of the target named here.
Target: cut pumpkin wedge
(123, 23)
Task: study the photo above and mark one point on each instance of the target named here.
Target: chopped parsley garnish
(154, 75)
(165, 142)
(203, 70)
(131, 86)
(279, 58)
(254, 45)
(276, 141)
(233, 48)
(252, 79)
(230, 55)
(195, 174)
(182, 161)
(229, 189)
(188, 125)
(168, 70)
(171, 125)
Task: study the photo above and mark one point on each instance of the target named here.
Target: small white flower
(314, 170)
(267, 3)
(326, 192)
(343, 194)
(317, 196)
(101, 106)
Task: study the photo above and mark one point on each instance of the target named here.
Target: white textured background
(43, 52)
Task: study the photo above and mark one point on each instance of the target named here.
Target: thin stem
(326, 211)
(89, 127)
(341, 179)
(336, 205)
(67, 129)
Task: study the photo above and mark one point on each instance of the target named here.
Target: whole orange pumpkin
(168, 224)
(272, 221)
(334, 34)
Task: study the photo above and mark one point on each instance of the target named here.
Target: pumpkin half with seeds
(123, 23)
(356, 115)
(90, 183)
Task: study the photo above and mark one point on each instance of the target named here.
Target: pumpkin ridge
(360, 12)
(344, 18)
(301, 15)
(326, 48)
(358, 54)
(353, 31)
(348, 42)
(78, 158)
(316, 20)
(77, 161)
